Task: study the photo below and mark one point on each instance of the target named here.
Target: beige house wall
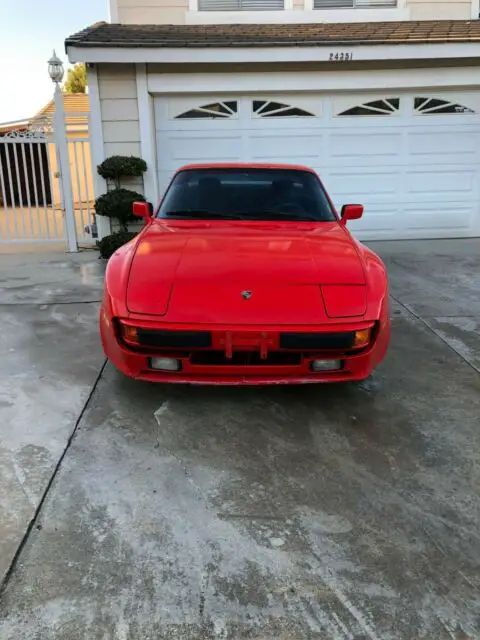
(175, 11)
(440, 9)
(118, 104)
(117, 86)
(152, 11)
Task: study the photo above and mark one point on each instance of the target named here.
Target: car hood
(197, 272)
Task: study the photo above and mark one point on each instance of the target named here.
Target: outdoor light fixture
(55, 68)
(55, 71)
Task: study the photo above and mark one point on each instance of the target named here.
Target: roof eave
(361, 50)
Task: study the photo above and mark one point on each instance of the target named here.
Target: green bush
(116, 166)
(118, 204)
(109, 244)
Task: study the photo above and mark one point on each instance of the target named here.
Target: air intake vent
(307, 341)
(175, 339)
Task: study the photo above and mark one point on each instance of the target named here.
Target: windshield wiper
(204, 214)
(262, 215)
(201, 213)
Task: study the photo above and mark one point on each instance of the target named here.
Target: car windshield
(246, 194)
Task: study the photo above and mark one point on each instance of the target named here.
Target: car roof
(245, 165)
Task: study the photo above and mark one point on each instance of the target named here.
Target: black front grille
(245, 358)
(175, 339)
(319, 341)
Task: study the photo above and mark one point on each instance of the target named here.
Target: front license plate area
(230, 341)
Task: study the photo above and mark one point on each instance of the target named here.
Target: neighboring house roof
(276, 35)
(73, 103)
(16, 125)
(77, 107)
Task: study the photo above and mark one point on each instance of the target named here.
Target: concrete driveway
(137, 511)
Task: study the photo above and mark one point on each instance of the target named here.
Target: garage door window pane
(232, 106)
(214, 110)
(285, 113)
(268, 109)
(384, 107)
(436, 105)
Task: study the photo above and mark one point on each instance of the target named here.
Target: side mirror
(351, 212)
(142, 209)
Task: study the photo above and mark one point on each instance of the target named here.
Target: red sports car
(245, 275)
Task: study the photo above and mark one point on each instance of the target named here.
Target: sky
(29, 31)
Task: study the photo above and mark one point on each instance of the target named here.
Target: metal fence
(39, 203)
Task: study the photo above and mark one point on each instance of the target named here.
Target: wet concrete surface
(434, 278)
(50, 357)
(346, 511)
(438, 282)
(47, 278)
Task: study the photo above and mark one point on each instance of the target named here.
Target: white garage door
(413, 160)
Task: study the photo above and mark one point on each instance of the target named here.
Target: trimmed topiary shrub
(118, 204)
(116, 166)
(109, 244)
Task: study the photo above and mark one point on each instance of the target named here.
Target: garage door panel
(291, 147)
(294, 124)
(384, 218)
(207, 126)
(441, 215)
(377, 147)
(443, 145)
(435, 181)
(373, 184)
(377, 217)
(201, 148)
(449, 199)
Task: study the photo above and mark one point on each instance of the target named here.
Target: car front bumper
(137, 364)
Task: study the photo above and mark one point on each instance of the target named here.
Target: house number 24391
(340, 57)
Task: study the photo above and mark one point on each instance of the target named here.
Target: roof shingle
(72, 102)
(276, 35)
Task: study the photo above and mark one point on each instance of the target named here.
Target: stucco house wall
(440, 9)
(117, 88)
(183, 12)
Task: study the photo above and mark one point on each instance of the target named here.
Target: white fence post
(60, 136)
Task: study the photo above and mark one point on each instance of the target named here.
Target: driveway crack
(438, 335)
(33, 521)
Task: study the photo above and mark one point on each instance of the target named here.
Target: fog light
(326, 365)
(165, 364)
